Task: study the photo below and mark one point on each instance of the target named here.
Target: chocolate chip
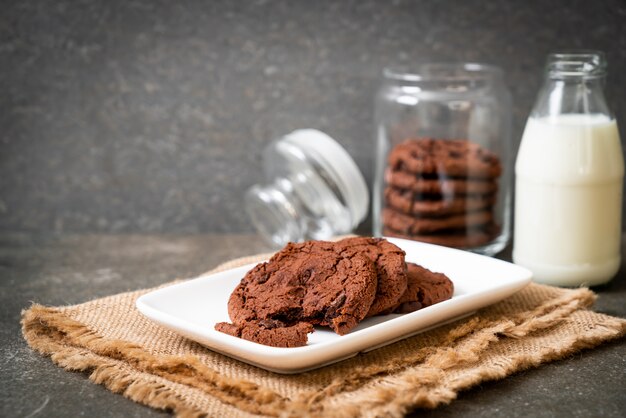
(304, 278)
(271, 323)
(300, 292)
(334, 306)
(263, 279)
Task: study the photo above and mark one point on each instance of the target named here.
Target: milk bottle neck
(573, 85)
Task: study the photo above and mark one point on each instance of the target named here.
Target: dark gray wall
(151, 115)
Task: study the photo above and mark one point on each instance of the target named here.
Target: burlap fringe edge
(66, 341)
(51, 333)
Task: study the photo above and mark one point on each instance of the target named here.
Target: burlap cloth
(130, 355)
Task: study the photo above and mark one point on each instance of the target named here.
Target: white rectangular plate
(192, 309)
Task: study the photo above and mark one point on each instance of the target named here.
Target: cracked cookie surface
(441, 186)
(390, 268)
(413, 225)
(310, 282)
(449, 157)
(413, 203)
(425, 288)
(269, 332)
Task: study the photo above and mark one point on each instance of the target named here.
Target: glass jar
(314, 190)
(443, 168)
(569, 177)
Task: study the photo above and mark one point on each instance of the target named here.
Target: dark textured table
(68, 269)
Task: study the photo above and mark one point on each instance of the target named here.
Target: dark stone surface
(64, 270)
(68, 269)
(151, 115)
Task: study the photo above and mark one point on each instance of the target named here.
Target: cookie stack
(334, 284)
(441, 191)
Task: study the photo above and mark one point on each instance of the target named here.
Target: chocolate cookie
(411, 225)
(439, 186)
(314, 281)
(269, 332)
(425, 288)
(413, 203)
(390, 266)
(455, 239)
(448, 157)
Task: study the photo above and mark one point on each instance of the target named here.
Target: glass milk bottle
(569, 178)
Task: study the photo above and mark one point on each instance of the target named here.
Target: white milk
(569, 175)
